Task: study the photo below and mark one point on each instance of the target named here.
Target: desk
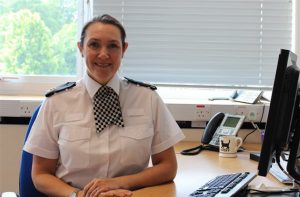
(194, 171)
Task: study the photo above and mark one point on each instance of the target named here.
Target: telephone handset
(211, 127)
(219, 124)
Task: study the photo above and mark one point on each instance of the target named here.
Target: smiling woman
(102, 48)
(101, 122)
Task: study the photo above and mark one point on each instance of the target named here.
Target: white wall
(11, 141)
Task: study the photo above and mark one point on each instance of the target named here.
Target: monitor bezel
(277, 133)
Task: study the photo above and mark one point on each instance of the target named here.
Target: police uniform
(65, 130)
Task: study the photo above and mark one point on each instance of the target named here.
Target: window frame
(38, 85)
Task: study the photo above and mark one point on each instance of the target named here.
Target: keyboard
(225, 185)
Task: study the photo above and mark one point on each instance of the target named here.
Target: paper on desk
(267, 95)
(222, 95)
(264, 188)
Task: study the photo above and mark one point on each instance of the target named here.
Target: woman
(75, 153)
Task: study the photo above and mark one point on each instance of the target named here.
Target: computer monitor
(282, 131)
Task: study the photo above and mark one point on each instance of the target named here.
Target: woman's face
(102, 51)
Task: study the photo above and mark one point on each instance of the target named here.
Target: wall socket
(180, 111)
(18, 108)
(203, 112)
(26, 108)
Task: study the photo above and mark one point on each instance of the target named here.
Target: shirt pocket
(72, 117)
(136, 145)
(74, 146)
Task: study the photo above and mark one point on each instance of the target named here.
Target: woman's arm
(163, 170)
(44, 179)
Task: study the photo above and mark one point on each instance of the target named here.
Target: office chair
(26, 186)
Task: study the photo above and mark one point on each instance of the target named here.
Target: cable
(192, 151)
(283, 156)
(262, 113)
(256, 128)
(255, 125)
(196, 150)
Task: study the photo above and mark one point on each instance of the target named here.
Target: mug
(229, 144)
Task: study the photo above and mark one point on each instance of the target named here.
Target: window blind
(208, 42)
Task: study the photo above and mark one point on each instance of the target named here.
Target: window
(207, 42)
(38, 42)
(210, 43)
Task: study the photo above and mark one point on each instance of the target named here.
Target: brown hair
(105, 19)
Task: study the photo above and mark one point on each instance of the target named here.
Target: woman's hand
(105, 187)
(117, 193)
(163, 170)
(111, 193)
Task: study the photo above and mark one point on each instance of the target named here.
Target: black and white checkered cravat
(107, 109)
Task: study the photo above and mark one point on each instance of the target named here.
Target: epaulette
(60, 88)
(152, 87)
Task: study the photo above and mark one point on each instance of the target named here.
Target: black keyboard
(225, 185)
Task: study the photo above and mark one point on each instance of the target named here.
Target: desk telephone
(219, 124)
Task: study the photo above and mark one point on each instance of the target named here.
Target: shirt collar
(92, 86)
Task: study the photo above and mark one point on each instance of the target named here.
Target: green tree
(64, 47)
(54, 13)
(25, 44)
(38, 37)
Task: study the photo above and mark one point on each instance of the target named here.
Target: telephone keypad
(223, 131)
(226, 131)
(215, 140)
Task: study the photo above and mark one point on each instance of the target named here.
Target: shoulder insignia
(152, 87)
(60, 88)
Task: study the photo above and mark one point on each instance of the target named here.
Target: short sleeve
(42, 140)
(166, 131)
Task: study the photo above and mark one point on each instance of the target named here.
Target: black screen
(283, 111)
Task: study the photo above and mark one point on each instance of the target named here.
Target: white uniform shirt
(65, 129)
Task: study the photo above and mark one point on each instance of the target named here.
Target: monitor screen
(283, 112)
